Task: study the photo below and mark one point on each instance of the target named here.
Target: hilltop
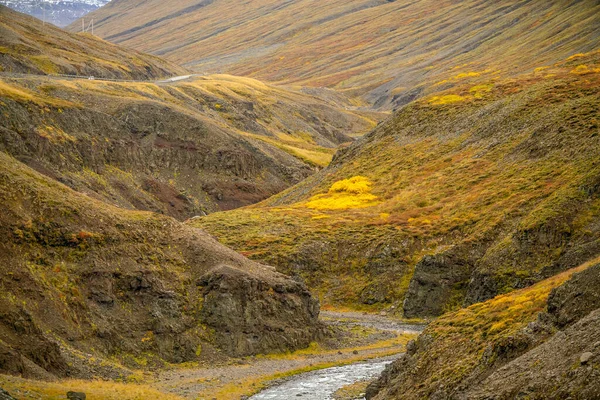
(457, 198)
(58, 12)
(389, 52)
(27, 46)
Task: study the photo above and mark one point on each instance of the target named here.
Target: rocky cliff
(88, 289)
(505, 349)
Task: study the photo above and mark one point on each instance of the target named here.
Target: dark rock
(76, 396)
(576, 298)
(251, 316)
(437, 281)
(4, 395)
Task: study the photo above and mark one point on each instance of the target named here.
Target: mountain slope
(27, 46)
(514, 346)
(389, 51)
(57, 12)
(88, 289)
(182, 148)
(455, 199)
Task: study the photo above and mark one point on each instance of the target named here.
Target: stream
(321, 384)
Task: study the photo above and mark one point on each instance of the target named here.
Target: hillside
(457, 198)
(91, 290)
(27, 46)
(182, 149)
(57, 12)
(540, 342)
(389, 52)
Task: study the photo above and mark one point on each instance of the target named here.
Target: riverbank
(360, 337)
(356, 337)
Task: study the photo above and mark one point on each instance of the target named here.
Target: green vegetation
(509, 169)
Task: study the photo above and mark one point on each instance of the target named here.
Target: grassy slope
(218, 141)
(27, 46)
(87, 287)
(390, 51)
(459, 349)
(498, 182)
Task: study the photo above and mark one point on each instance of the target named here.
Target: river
(321, 384)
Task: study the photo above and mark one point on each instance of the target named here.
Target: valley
(369, 200)
(386, 52)
(362, 338)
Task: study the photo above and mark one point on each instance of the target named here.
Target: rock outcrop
(555, 356)
(83, 281)
(4, 395)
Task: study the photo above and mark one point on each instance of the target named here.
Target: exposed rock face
(555, 357)
(254, 316)
(557, 369)
(83, 281)
(576, 298)
(4, 395)
(438, 281)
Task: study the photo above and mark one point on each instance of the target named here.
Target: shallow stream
(321, 384)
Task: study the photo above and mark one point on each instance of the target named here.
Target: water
(321, 384)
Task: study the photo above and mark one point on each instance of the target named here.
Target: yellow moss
(581, 69)
(95, 390)
(345, 194)
(447, 99)
(479, 91)
(576, 56)
(44, 64)
(355, 185)
(466, 75)
(55, 135)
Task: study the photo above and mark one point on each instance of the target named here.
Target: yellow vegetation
(95, 390)
(55, 135)
(447, 99)
(347, 193)
(479, 91)
(355, 185)
(466, 75)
